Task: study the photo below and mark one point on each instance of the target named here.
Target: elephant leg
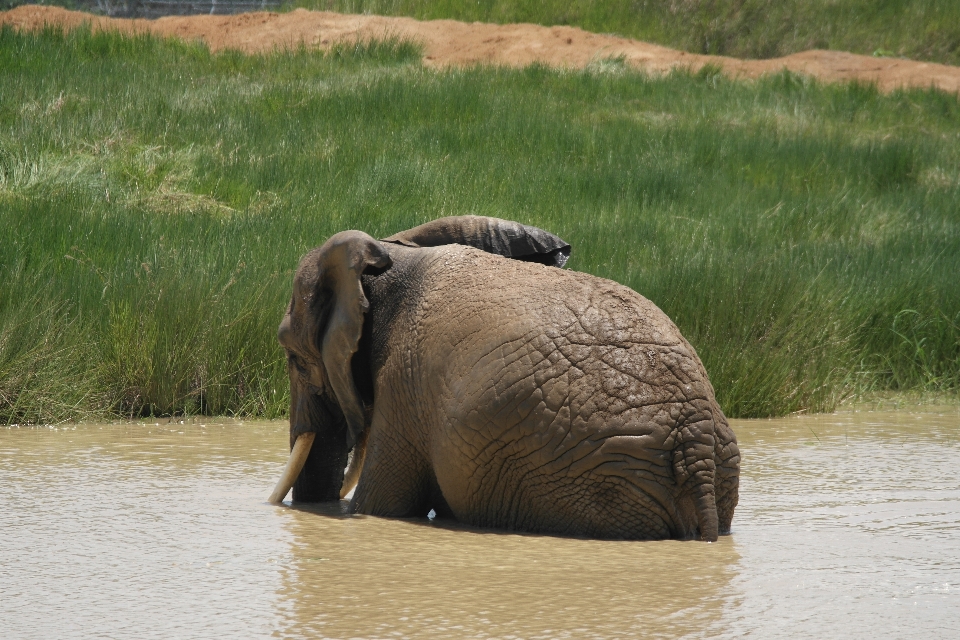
(438, 503)
(396, 480)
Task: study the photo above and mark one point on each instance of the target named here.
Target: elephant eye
(295, 361)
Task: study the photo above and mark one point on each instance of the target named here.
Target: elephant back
(578, 377)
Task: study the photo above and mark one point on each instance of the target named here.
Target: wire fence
(157, 8)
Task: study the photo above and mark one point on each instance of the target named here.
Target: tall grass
(155, 199)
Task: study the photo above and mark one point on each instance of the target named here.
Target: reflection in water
(848, 524)
(370, 577)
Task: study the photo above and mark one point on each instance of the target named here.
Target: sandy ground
(448, 42)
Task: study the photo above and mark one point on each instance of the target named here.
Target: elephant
(472, 375)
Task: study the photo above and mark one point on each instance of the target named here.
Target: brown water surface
(848, 525)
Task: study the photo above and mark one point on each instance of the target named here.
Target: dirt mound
(448, 42)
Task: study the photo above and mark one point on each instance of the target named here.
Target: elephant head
(330, 383)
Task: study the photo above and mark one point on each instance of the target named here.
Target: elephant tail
(695, 470)
(707, 517)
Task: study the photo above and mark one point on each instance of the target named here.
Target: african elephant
(507, 393)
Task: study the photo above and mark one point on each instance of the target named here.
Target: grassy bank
(155, 199)
(918, 29)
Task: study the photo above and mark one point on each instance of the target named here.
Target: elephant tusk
(349, 481)
(352, 475)
(298, 457)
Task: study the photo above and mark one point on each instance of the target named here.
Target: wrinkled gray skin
(502, 392)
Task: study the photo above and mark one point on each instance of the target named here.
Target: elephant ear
(340, 263)
(493, 235)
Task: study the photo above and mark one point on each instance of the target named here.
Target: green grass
(155, 199)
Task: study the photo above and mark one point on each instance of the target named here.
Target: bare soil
(449, 42)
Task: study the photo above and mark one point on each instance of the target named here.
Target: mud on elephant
(472, 375)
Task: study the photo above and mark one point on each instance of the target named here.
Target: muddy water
(848, 526)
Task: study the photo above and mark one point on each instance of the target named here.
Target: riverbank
(156, 198)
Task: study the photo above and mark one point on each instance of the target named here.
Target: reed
(155, 200)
